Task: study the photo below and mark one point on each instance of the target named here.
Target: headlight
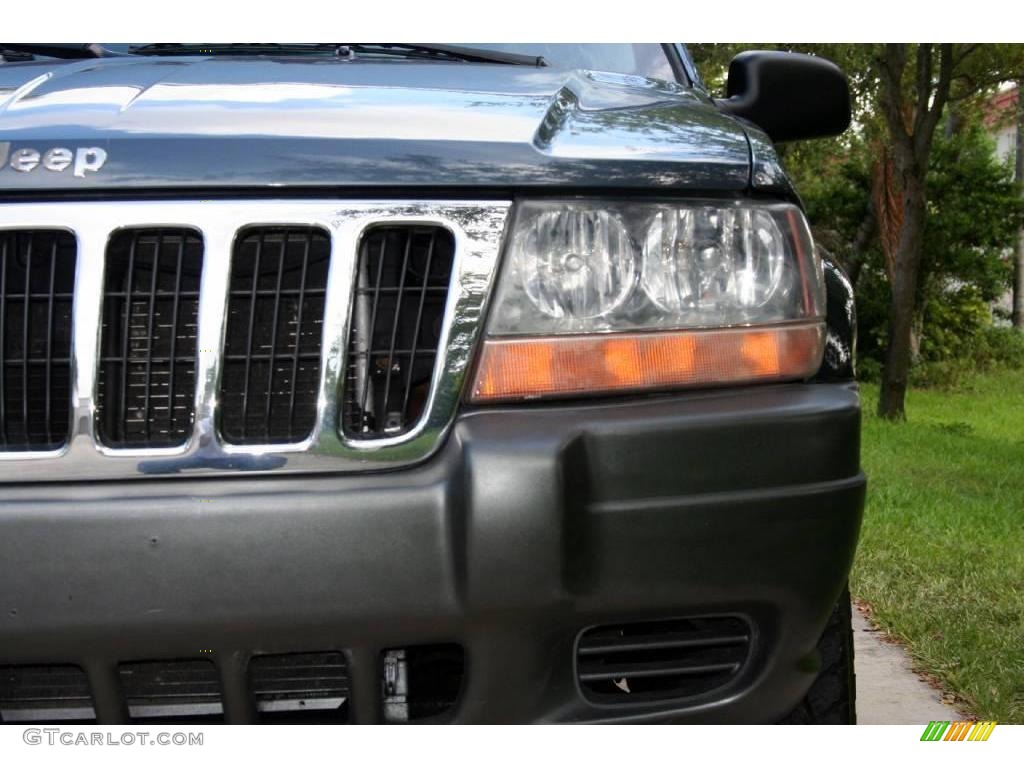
(719, 266)
(574, 264)
(597, 297)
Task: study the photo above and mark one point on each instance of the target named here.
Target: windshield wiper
(230, 49)
(453, 52)
(342, 50)
(57, 51)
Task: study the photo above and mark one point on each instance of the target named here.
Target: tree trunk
(1018, 262)
(912, 129)
(896, 373)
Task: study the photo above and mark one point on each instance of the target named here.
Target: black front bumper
(530, 525)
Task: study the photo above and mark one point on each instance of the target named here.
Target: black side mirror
(788, 95)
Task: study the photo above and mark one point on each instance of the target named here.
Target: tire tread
(831, 699)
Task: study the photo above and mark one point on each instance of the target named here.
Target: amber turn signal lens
(525, 368)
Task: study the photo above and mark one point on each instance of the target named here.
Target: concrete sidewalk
(888, 691)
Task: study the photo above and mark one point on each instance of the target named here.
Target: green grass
(941, 558)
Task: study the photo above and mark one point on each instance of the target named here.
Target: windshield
(646, 59)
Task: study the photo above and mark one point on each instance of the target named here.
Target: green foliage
(872, 290)
(869, 369)
(987, 348)
(833, 177)
(953, 320)
(942, 375)
(974, 213)
(995, 347)
(712, 60)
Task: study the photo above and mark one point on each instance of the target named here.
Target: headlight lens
(574, 264)
(705, 275)
(716, 265)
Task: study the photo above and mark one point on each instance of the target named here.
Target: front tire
(832, 698)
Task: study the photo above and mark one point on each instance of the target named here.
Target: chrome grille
(193, 424)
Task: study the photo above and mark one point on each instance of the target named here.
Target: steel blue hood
(284, 122)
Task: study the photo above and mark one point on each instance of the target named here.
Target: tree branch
(924, 86)
(923, 141)
(974, 85)
(965, 51)
(891, 63)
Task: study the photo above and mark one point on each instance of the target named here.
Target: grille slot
(300, 687)
(147, 366)
(157, 690)
(395, 327)
(45, 694)
(422, 682)
(656, 660)
(37, 279)
(271, 369)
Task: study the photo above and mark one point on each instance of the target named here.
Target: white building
(1001, 120)
(1002, 123)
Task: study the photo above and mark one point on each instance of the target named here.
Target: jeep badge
(56, 159)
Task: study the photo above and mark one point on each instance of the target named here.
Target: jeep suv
(419, 383)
